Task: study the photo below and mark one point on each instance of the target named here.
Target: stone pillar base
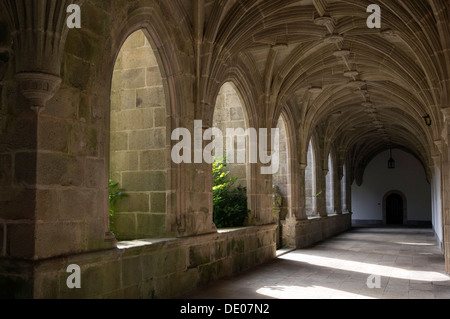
(304, 233)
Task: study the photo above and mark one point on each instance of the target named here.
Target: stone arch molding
(175, 106)
(167, 48)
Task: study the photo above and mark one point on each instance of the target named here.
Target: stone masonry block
(94, 173)
(153, 76)
(207, 273)
(150, 97)
(127, 99)
(220, 250)
(128, 79)
(228, 89)
(233, 101)
(236, 246)
(64, 104)
(236, 113)
(94, 18)
(85, 108)
(147, 139)
(59, 238)
(46, 285)
(124, 224)
(6, 172)
(47, 204)
(138, 57)
(24, 169)
(158, 202)
(199, 255)
(83, 140)
(170, 261)
(144, 181)
(17, 203)
(131, 271)
(150, 225)
(135, 40)
(148, 262)
(115, 102)
(82, 204)
(153, 160)
(57, 169)
(250, 244)
(23, 135)
(20, 240)
(96, 280)
(53, 134)
(78, 72)
(124, 161)
(136, 119)
(119, 141)
(134, 202)
(160, 117)
(82, 44)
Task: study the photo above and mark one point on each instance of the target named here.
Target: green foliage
(312, 197)
(317, 195)
(229, 202)
(115, 193)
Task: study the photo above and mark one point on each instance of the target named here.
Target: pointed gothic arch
(138, 140)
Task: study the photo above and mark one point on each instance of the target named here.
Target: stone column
(301, 197)
(36, 55)
(321, 200)
(348, 192)
(295, 224)
(261, 187)
(337, 174)
(437, 188)
(42, 200)
(446, 186)
(37, 44)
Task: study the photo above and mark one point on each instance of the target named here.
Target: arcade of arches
(81, 106)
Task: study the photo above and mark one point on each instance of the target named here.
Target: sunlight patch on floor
(367, 268)
(311, 292)
(415, 244)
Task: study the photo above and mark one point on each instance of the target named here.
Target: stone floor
(380, 263)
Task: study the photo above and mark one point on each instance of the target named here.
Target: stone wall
(304, 233)
(310, 183)
(330, 187)
(281, 178)
(138, 140)
(229, 114)
(55, 148)
(164, 268)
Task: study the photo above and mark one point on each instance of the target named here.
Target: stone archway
(138, 141)
(404, 214)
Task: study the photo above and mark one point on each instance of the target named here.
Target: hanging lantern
(427, 119)
(391, 162)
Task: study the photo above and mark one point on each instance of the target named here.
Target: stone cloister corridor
(330, 118)
(407, 260)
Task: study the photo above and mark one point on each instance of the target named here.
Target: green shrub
(115, 193)
(229, 202)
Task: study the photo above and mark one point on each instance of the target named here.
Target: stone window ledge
(130, 244)
(142, 242)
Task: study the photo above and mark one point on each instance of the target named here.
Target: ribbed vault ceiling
(368, 89)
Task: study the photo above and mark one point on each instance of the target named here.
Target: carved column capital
(38, 29)
(446, 130)
(438, 144)
(38, 88)
(446, 113)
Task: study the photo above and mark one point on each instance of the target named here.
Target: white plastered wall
(408, 177)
